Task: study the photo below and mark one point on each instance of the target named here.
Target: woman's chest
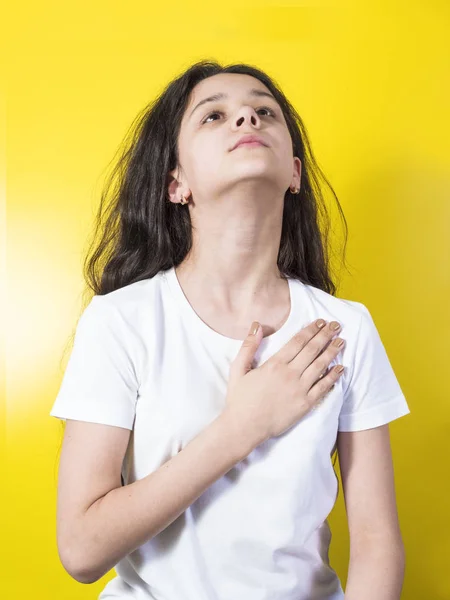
(186, 390)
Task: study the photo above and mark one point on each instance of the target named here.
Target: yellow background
(370, 81)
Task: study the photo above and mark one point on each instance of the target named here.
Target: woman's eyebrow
(222, 96)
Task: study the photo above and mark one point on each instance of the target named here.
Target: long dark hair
(138, 232)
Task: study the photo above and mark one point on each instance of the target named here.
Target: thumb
(244, 358)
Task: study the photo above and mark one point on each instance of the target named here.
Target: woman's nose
(247, 114)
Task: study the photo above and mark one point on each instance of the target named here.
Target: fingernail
(254, 328)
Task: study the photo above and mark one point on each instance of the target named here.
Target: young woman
(197, 456)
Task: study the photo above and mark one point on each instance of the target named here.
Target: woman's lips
(249, 144)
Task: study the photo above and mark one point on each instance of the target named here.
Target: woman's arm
(125, 518)
(377, 557)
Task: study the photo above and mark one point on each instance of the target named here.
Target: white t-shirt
(144, 360)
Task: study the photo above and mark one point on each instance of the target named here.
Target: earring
(295, 190)
(183, 200)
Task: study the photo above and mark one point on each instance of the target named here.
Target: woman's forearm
(376, 571)
(131, 515)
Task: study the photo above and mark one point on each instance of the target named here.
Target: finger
(296, 344)
(311, 374)
(322, 400)
(315, 348)
(324, 385)
(322, 374)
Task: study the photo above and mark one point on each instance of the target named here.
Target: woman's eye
(269, 110)
(218, 112)
(210, 115)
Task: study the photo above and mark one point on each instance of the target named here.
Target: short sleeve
(373, 395)
(100, 381)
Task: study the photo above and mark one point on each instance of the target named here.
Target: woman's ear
(172, 188)
(175, 189)
(297, 174)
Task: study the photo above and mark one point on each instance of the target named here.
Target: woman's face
(210, 168)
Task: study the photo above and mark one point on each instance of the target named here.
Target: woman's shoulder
(341, 308)
(130, 309)
(132, 297)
